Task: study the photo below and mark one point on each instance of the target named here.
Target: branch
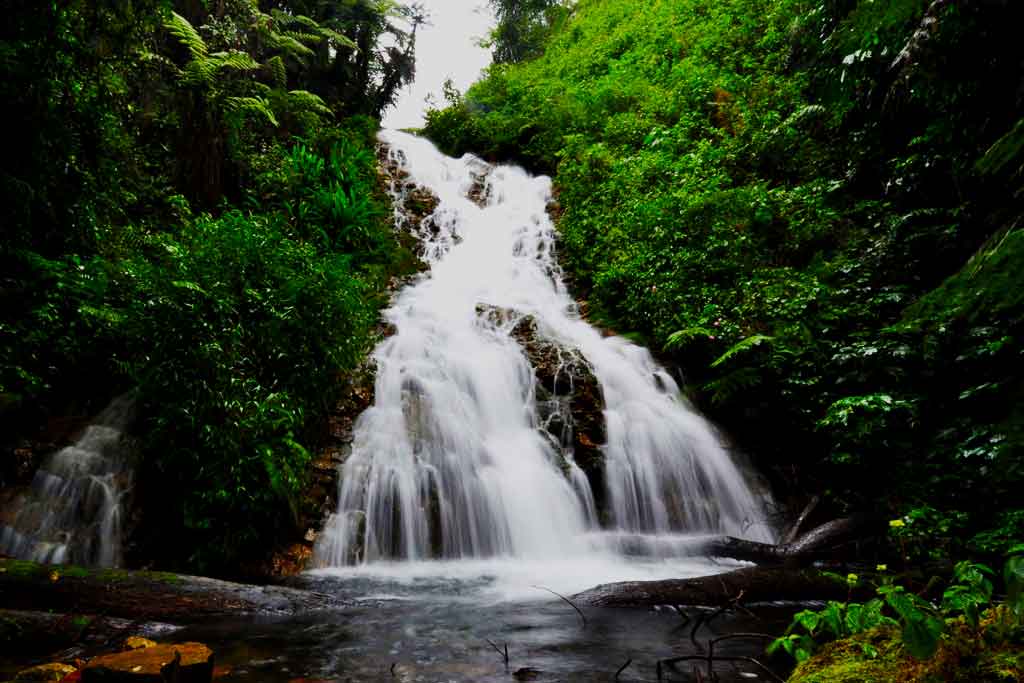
(570, 602)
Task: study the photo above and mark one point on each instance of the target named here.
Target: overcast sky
(445, 49)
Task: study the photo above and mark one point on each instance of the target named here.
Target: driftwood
(794, 530)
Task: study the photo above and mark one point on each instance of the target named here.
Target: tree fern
(340, 40)
(234, 59)
(303, 99)
(304, 37)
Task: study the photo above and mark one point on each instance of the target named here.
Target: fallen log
(818, 541)
(757, 584)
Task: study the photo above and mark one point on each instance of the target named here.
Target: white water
(449, 461)
(74, 511)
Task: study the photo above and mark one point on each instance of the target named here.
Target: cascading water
(451, 461)
(74, 511)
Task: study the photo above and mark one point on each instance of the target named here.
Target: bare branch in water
(570, 602)
(623, 668)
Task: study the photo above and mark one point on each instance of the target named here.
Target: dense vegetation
(190, 211)
(813, 208)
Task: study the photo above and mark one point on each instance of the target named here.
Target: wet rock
(137, 643)
(527, 674)
(479, 192)
(146, 596)
(192, 663)
(570, 405)
(45, 672)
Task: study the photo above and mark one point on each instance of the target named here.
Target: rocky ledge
(145, 596)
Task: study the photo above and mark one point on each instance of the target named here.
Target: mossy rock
(845, 661)
(963, 656)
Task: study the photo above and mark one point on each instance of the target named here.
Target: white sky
(444, 49)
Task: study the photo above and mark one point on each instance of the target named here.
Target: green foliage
(244, 331)
(967, 603)
(810, 207)
(161, 235)
(522, 27)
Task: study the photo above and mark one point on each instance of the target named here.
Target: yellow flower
(54, 576)
(896, 523)
(881, 567)
(852, 579)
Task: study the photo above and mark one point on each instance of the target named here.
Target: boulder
(193, 663)
(137, 643)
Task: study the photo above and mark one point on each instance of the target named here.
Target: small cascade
(504, 424)
(74, 511)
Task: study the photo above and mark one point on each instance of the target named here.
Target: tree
(523, 26)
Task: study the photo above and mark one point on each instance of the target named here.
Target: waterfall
(453, 461)
(74, 511)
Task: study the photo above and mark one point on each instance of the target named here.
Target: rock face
(569, 402)
(181, 662)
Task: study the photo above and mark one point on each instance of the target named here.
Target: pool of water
(438, 621)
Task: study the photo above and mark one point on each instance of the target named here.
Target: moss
(20, 568)
(985, 290)
(964, 656)
(25, 569)
(74, 572)
(845, 661)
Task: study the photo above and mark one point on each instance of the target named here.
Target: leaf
(179, 27)
(234, 59)
(747, 344)
(681, 338)
(277, 70)
(921, 635)
(1013, 575)
(254, 105)
(307, 100)
(185, 284)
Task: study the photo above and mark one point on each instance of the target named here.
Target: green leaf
(742, 347)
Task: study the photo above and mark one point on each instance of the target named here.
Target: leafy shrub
(239, 334)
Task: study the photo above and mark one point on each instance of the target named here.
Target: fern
(682, 338)
(278, 71)
(743, 347)
(289, 45)
(284, 18)
(339, 39)
(303, 99)
(179, 27)
(303, 37)
(726, 388)
(234, 59)
(250, 105)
